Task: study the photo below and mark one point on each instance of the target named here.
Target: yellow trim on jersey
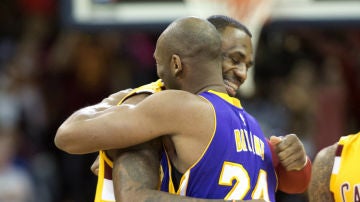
(187, 172)
(344, 178)
(101, 176)
(234, 101)
(150, 88)
(107, 159)
(161, 177)
(348, 139)
(184, 178)
(171, 187)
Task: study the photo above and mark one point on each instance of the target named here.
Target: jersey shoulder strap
(104, 187)
(150, 88)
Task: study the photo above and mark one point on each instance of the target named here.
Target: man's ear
(177, 67)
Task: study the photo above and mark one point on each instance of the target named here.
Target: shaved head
(190, 37)
(188, 55)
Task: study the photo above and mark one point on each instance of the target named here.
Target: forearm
(101, 127)
(136, 177)
(159, 196)
(136, 172)
(64, 138)
(287, 179)
(72, 136)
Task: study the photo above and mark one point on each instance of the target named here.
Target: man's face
(163, 67)
(160, 65)
(238, 58)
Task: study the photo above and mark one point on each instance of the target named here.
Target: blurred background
(59, 56)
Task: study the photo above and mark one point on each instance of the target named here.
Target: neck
(216, 87)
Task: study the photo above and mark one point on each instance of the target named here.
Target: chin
(230, 91)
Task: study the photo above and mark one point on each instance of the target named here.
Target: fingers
(288, 141)
(294, 162)
(95, 166)
(291, 152)
(274, 140)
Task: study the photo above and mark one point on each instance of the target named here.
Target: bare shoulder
(178, 98)
(135, 99)
(324, 161)
(326, 154)
(114, 98)
(176, 106)
(321, 172)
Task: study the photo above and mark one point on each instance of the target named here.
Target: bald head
(188, 55)
(190, 37)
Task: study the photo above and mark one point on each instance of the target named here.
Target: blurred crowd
(47, 71)
(306, 83)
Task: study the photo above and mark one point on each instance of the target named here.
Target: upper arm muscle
(321, 171)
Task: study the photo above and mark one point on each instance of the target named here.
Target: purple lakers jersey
(237, 163)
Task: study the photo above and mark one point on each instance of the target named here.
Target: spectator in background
(330, 104)
(16, 183)
(298, 97)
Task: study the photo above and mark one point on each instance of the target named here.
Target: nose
(241, 72)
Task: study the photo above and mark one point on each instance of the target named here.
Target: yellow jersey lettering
(248, 142)
(237, 177)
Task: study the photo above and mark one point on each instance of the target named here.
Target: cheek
(160, 71)
(226, 66)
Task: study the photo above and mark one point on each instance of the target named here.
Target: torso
(237, 155)
(345, 177)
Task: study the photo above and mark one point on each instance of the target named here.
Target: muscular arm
(123, 126)
(136, 177)
(136, 172)
(92, 110)
(319, 189)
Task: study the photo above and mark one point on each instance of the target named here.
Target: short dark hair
(222, 21)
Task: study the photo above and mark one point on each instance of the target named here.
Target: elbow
(64, 142)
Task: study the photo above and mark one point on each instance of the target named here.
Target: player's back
(237, 163)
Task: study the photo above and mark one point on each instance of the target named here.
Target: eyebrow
(242, 55)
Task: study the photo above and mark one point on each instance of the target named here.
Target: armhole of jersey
(140, 90)
(106, 159)
(343, 144)
(185, 177)
(101, 177)
(171, 187)
(336, 165)
(212, 136)
(132, 93)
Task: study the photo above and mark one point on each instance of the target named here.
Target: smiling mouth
(231, 87)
